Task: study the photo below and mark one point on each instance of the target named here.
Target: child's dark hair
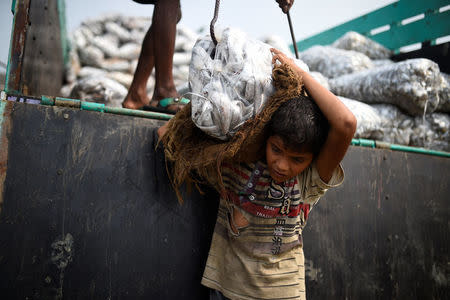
(301, 125)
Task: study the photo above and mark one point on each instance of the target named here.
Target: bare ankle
(161, 93)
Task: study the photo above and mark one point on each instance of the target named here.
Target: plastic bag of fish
(231, 87)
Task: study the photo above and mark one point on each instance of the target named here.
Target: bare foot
(135, 100)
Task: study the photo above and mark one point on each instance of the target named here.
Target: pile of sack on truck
(404, 102)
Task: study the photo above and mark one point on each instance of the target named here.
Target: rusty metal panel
(384, 233)
(17, 47)
(88, 212)
(5, 131)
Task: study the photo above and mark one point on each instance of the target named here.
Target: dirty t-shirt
(256, 250)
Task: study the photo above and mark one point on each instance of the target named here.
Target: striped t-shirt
(256, 250)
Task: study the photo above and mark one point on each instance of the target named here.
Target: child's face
(284, 163)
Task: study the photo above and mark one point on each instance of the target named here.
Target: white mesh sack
(411, 85)
(360, 43)
(333, 62)
(233, 86)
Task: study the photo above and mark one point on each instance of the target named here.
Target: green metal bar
(46, 100)
(13, 7)
(92, 106)
(137, 113)
(419, 150)
(100, 107)
(387, 15)
(67, 102)
(395, 147)
(429, 28)
(63, 28)
(364, 143)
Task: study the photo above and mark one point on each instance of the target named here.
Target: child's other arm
(162, 130)
(341, 119)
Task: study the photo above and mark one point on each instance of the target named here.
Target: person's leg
(216, 295)
(165, 18)
(137, 94)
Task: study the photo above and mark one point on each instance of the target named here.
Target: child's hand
(283, 59)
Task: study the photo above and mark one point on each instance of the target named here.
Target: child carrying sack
(197, 142)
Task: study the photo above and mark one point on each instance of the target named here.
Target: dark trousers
(216, 295)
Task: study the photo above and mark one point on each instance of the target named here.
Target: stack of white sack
(387, 123)
(397, 93)
(104, 54)
(333, 62)
(230, 82)
(409, 100)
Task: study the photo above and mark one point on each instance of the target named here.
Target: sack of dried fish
(99, 89)
(233, 86)
(395, 127)
(91, 56)
(321, 79)
(333, 62)
(432, 131)
(360, 43)
(382, 62)
(444, 93)
(88, 71)
(277, 42)
(391, 125)
(368, 120)
(411, 85)
(385, 122)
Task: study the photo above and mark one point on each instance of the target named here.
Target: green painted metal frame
(89, 106)
(432, 26)
(395, 147)
(13, 7)
(62, 24)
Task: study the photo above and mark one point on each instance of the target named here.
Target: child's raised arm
(341, 119)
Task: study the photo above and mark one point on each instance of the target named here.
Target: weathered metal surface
(43, 63)
(384, 233)
(89, 213)
(17, 47)
(5, 130)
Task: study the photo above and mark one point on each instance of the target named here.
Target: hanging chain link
(213, 22)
